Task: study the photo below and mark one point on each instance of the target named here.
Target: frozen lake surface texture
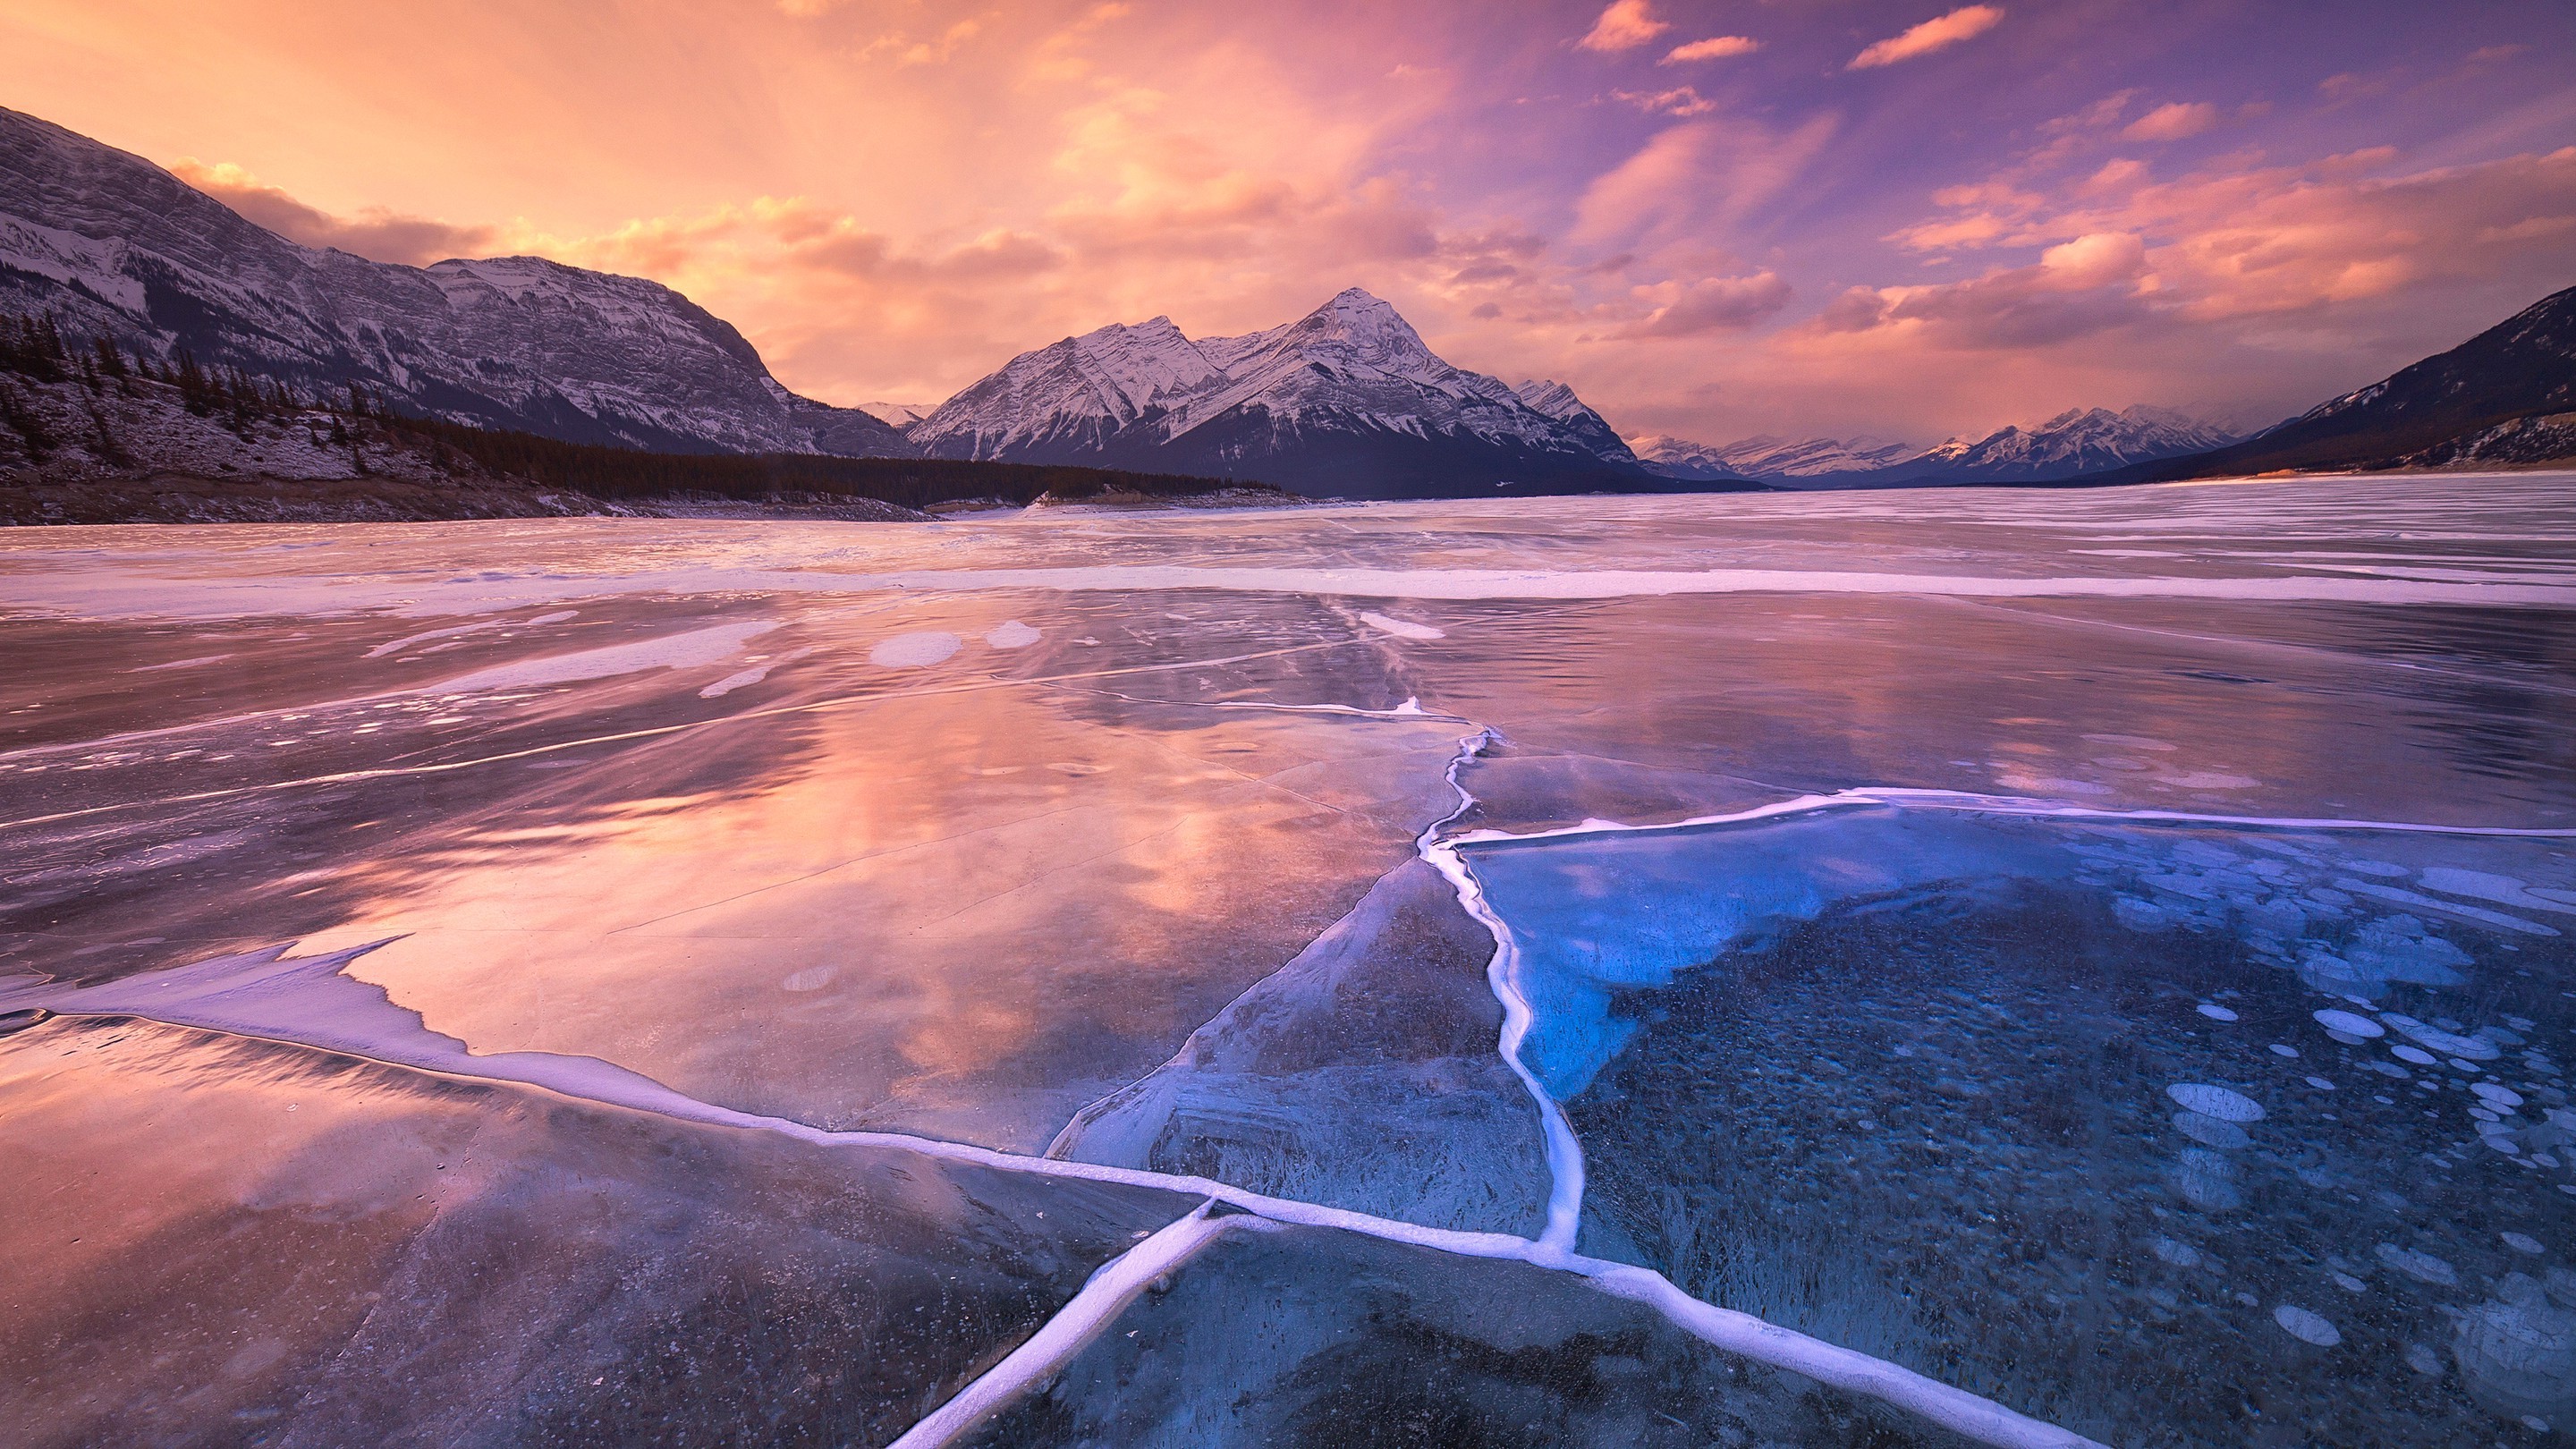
(1999, 968)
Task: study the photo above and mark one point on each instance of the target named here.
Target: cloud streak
(1965, 23)
(1716, 47)
(1625, 25)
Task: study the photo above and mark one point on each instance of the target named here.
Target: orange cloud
(1940, 33)
(1625, 25)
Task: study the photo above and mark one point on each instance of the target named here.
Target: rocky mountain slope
(1554, 399)
(108, 243)
(1346, 401)
(2504, 398)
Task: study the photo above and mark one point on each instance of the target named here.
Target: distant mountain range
(111, 244)
(1768, 458)
(2075, 442)
(1345, 401)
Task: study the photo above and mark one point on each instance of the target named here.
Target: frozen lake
(2005, 967)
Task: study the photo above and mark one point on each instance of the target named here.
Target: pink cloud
(1715, 304)
(1940, 33)
(1716, 47)
(2174, 121)
(373, 232)
(1683, 101)
(1625, 25)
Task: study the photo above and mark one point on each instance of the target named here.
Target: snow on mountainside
(2504, 398)
(1556, 400)
(109, 243)
(1346, 400)
(1767, 457)
(2078, 440)
(898, 415)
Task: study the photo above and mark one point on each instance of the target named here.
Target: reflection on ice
(801, 884)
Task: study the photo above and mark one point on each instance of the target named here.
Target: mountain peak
(1347, 398)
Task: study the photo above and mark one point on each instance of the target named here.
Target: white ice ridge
(1502, 973)
(311, 1002)
(1909, 798)
(1111, 1287)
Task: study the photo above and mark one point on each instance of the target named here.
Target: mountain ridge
(111, 244)
(2502, 398)
(1346, 400)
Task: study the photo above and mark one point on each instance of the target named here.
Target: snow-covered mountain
(110, 243)
(2504, 398)
(1766, 457)
(1346, 401)
(898, 415)
(1554, 399)
(2076, 441)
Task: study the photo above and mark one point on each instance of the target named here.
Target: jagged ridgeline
(75, 408)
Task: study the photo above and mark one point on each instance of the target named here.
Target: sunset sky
(1813, 216)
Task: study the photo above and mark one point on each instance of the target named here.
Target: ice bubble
(2216, 1013)
(2305, 1326)
(2517, 1351)
(2349, 1283)
(2423, 1360)
(2180, 1254)
(2349, 1023)
(2207, 1181)
(2521, 1023)
(2381, 868)
(2521, 1242)
(1012, 635)
(2281, 1050)
(915, 651)
(2504, 1097)
(2140, 915)
(2422, 1267)
(2211, 1131)
(2216, 1102)
(2321, 1084)
(812, 978)
(2406, 1053)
